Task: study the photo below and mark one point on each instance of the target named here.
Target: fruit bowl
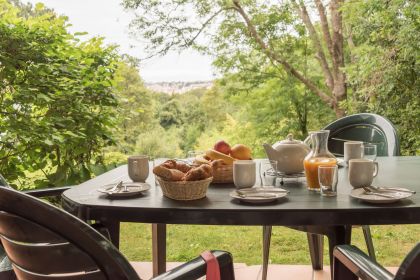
(223, 174)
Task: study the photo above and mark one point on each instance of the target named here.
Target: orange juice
(311, 170)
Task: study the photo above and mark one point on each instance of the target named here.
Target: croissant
(201, 172)
(168, 174)
(183, 167)
(171, 164)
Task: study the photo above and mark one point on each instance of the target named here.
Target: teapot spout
(271, 153)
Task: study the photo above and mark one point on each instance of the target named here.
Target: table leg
(113, 228)
(316, 245)
(338, 235)
(159, 248)
(266, 249)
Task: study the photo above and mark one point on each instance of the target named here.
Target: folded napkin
(213, 270)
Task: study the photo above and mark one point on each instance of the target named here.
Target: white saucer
(134, 188)
(360, 194)
(264, 198)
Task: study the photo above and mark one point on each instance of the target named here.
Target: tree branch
(337, 36)
(272, 55)
(324, 26)
(315, 39)
(187, 44)
(340, 89)
(350, 42)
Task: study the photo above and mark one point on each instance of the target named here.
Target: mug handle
(375, 173)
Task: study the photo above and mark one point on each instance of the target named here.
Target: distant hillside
(178, 87)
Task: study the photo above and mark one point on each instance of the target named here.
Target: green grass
(288, 246)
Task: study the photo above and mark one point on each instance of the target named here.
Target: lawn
(288, 246)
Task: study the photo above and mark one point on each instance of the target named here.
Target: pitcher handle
(307, 141)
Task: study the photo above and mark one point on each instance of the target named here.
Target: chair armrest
(47, 192)
(357, 263)
(197, 267)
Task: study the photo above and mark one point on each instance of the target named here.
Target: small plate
(270, 196)
(360, 194)
(134, 188)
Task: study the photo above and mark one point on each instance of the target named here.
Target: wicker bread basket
(184, 190)
(223, 174)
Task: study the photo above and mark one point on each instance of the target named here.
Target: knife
(249, 191)
(261, 195)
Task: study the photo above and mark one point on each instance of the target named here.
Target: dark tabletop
(300, 207)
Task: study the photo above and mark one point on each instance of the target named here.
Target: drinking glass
(370, 151)
(328, 178)
(268, 174)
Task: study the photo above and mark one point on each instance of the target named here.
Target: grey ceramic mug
(362, 172)
(353, 150)
(244, 173)
(138, 168)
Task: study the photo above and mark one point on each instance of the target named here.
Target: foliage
(135, 106)
(385, 72)
(55, 97)
(159, 142)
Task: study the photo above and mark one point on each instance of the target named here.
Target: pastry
(167, 173)
(171, 164)
(183, 167)
(201, 172)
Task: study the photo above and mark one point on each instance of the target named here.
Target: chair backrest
(45, 242)
(3, 182)
(410, 267)
(369, 128)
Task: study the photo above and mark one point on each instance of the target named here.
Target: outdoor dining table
(301, 208)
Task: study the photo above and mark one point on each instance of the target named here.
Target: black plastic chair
(365, 127)
(6, 270)
(350, 263)
(45, 242)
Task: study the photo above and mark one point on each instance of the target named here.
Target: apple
(241, 152)
(222, 147)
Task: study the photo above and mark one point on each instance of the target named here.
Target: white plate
(134, 188)
(264, 198)
(360, 194)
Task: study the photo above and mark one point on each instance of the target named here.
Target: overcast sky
(108, 19)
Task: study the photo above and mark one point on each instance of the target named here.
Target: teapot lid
(289, 140)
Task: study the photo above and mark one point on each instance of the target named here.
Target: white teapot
(288, 153)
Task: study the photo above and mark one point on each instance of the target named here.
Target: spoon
(369, 191)
(390, 189)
